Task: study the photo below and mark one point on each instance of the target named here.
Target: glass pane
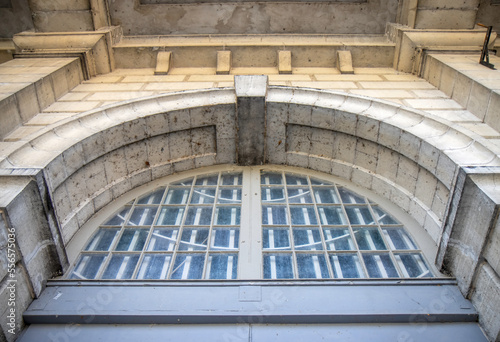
(207, 180)
(350, 197)
(225, 239)
(142, 216)
(398, 238)
(346, 266)
(203, 196)
(303, 215)
(199, 216)
(276, 238)
(383, 217)
(369, 239)
(296, 180)
(222, 266)
(331, 216)
(274, 215)
(171, 216)
(103, 239)
(413, 265)
(380, 266)
(185, 182)
(271, 178)
(188, 266)
(194, 239)
(299, 195)
(325, 195)
(87, 267)
(118, 219)
(121, 266)
(273, 194)
(152, 198)
(315, 181)
(154, 266)
(307, 239)
(177, 196)
(359, 215)
(312, 266)
(278, 266)
(227, 216)
(163, 239)
(132, 239)
(229, 195)
(232, 179)
(338, 239)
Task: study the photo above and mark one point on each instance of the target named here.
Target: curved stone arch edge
(361, 106)
(358, 106)
(81, 236)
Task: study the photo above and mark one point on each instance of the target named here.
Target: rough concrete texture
(34, 239)
(251, 17)
(24, 297)
(486, 298)
(488, 14)
(251, 113)
(15, 19)
(470, 231)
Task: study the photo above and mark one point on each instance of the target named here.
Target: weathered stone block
(492, 249)
(492, 117)
(179, 120)
(24, 297)
(387, 163)
(345, 122)
(136, 156)
(407, 174)
(425, 188)
(389, 136)
(157, 124)
(470, 228)
(462, 89)
(322, 117)
(226, 150)
(486, 299)
(9, 116)
(362, 178)
(298, 138)
(479, 100)
(322, 143)
(344, 148)
(367, 128)
(33, 236)
(115, 165)
(28, 103)
(299, 115)
(180, 144)
(366, 154)
(45, 92)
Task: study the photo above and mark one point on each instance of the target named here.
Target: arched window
(251, 223)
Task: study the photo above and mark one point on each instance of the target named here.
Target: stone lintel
(223, 62)
(251, 111)
(163, 62)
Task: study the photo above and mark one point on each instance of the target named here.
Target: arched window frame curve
(251, 266)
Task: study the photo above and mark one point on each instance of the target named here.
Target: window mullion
(250, 256)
